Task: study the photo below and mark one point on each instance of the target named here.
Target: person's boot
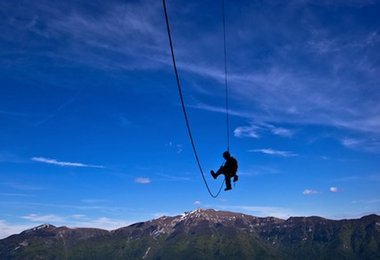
(228, 188)
(213, 174)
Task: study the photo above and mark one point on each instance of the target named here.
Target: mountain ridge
(204, 234)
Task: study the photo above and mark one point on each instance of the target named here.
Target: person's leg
(236, 178)
(228, 182)
(214, 175)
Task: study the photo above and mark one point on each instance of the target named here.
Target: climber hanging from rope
(229, 170)
(230, 167)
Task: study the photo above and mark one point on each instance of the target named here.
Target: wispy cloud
(197, 203)
(9, 157)
(351, 142)
(261, 211)
(259, 170)
(246, 131)
(102, 223)
(22, 186)
(62, 106)
(281, 90)
(111, 32)
(270, 151)
(85, 207)
(280, 131)
(7, 229)
(77, 220)
(64, 164)
(318, 93)
(369, 201)
(142, 180)
(168, 177)
(309, 192)
(177, 147)
(13, 114)
(371, 178)
(43, 218)
(366, 143)
(252, 130)
(16, 195)
(221, 110)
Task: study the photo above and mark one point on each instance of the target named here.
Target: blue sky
(91, 127)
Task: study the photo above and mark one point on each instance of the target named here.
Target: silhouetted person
(229, 170)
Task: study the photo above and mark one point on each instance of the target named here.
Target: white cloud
(142, 180)
(170, 177)
(73, 221)
(78, 216)
(110, 32)
(369, 201)
(257, 170)
(64, 164)
(107, 223)
(298, 94)
(355, 178)
(280, 91)
(100, 222)
(350, 142)
(7, 229)
(270, 151)
(20, 186)
(177, 147)
(253, 129)
(197, 203)
(261, 211)
(221, 110)
(65, 206)
(280, 131)
(246, 131)
(43, 218)
(309, 192)
(366, 143)
(334, 189)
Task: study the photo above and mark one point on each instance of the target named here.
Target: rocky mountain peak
(212, 216)
(43, 227)
(215, 235)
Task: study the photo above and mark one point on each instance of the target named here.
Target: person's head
(226, 155)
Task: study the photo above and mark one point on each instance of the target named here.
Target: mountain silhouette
(204, 234)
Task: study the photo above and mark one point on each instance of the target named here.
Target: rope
(184, 108)
(225, 76)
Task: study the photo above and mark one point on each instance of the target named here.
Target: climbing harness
(183, 102)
